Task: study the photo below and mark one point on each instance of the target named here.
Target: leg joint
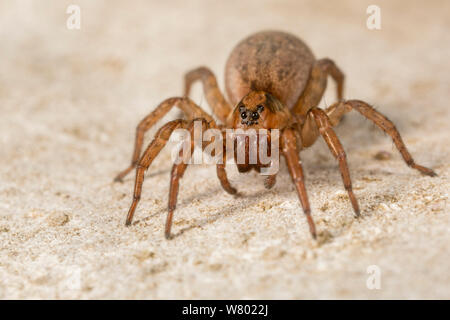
(341, 156)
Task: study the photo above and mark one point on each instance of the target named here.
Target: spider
(274, 82)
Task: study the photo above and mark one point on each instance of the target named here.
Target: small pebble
(383, 155)
(58, 219)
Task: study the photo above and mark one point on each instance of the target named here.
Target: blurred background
(70, 100)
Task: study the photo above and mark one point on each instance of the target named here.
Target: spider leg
(180, 167)
(185, 104)
(214, 96)
(387, 126)
(270, 181)
(291, 153)
(221, 169)
(176, 174)
(222, 175)
(160, 140)
(336, 111)
(330, 137)
(317, 84)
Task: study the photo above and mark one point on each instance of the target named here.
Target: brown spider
(274, 82)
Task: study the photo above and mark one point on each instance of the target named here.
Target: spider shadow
(251, 199)
(147, 175)
(283, 187)
(184, 202)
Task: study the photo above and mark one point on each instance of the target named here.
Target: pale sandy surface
(69, 103)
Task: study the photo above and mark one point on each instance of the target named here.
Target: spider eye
(255, 115)
(244, 115)
(260, 108)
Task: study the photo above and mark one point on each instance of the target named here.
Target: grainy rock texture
(70, 101)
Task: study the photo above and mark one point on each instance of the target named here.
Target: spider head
(259, 110)
(250, 116)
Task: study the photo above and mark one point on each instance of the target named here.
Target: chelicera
(273, 81)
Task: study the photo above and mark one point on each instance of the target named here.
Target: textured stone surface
(70, 101)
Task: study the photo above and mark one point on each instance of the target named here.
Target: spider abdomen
(272, 61)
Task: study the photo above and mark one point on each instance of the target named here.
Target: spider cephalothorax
(275, 83)
(259, 110)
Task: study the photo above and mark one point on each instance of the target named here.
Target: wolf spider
(274, 82)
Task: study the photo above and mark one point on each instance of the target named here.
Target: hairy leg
(214, 96)
(291, 153)
(338, 109)
(336, 148)
(317, 84)
(270, 181)
(176, 174)
(185, 104)
(221, 167)
(160, 140)
(222, 175)
(178, 168)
